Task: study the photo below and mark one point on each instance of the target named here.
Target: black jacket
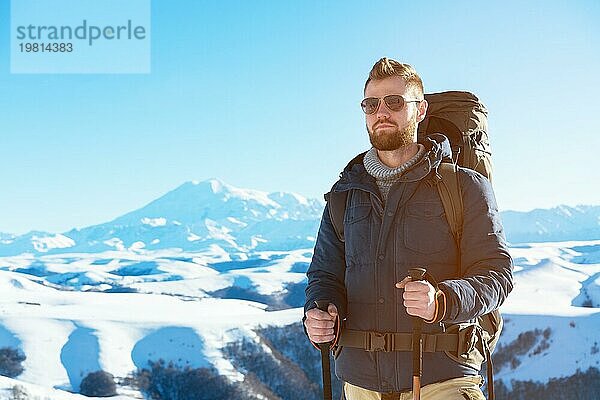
(383, 242)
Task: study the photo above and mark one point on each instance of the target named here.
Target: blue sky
(265, 95)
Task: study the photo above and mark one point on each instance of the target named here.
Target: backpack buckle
(379, 341)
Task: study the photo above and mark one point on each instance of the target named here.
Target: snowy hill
(75, 313)
(557, 292)
(115, 311)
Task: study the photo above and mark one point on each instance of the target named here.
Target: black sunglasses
(395, 102)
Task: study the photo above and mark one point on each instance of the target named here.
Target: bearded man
(393, 221)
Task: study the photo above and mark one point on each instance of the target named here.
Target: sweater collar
(437, 148)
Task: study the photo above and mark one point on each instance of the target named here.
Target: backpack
(462, 118)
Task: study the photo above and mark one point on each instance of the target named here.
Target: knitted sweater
(384, 175)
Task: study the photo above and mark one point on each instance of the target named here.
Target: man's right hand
(320, 325)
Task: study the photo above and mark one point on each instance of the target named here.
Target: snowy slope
(35, 391)
(62, 312)
(71, 313)
(556, 288)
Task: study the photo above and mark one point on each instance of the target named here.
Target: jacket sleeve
(486, 265)
(327, 269)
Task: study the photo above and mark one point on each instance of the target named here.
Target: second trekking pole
(417, 274)
(325, 349)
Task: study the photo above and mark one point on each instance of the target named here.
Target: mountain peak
(215, 185)
(216, 190)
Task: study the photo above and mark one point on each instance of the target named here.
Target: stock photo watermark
(80, 36)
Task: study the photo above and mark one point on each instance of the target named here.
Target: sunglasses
(394, 102)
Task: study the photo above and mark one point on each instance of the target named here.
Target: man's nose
(383, 112)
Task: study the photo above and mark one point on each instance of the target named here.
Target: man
(394, 220)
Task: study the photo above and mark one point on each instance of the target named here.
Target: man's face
(389, 130)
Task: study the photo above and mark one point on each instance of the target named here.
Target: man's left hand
(419, 298)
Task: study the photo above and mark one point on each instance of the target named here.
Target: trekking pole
(416, 274)
(325, 347)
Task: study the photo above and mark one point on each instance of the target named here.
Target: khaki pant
(454, 389)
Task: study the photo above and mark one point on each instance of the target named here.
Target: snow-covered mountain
(195, 216)
(199, 216)
(556, 224)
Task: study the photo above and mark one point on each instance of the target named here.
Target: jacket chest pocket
(425, 227)
(357, 233)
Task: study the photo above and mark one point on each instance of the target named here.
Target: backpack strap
(450, 192)
(490, 371)
(336, 203)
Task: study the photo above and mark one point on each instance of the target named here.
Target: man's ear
(422, 110)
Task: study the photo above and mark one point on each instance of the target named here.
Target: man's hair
(387, 67)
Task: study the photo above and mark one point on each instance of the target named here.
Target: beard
(393, 138)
